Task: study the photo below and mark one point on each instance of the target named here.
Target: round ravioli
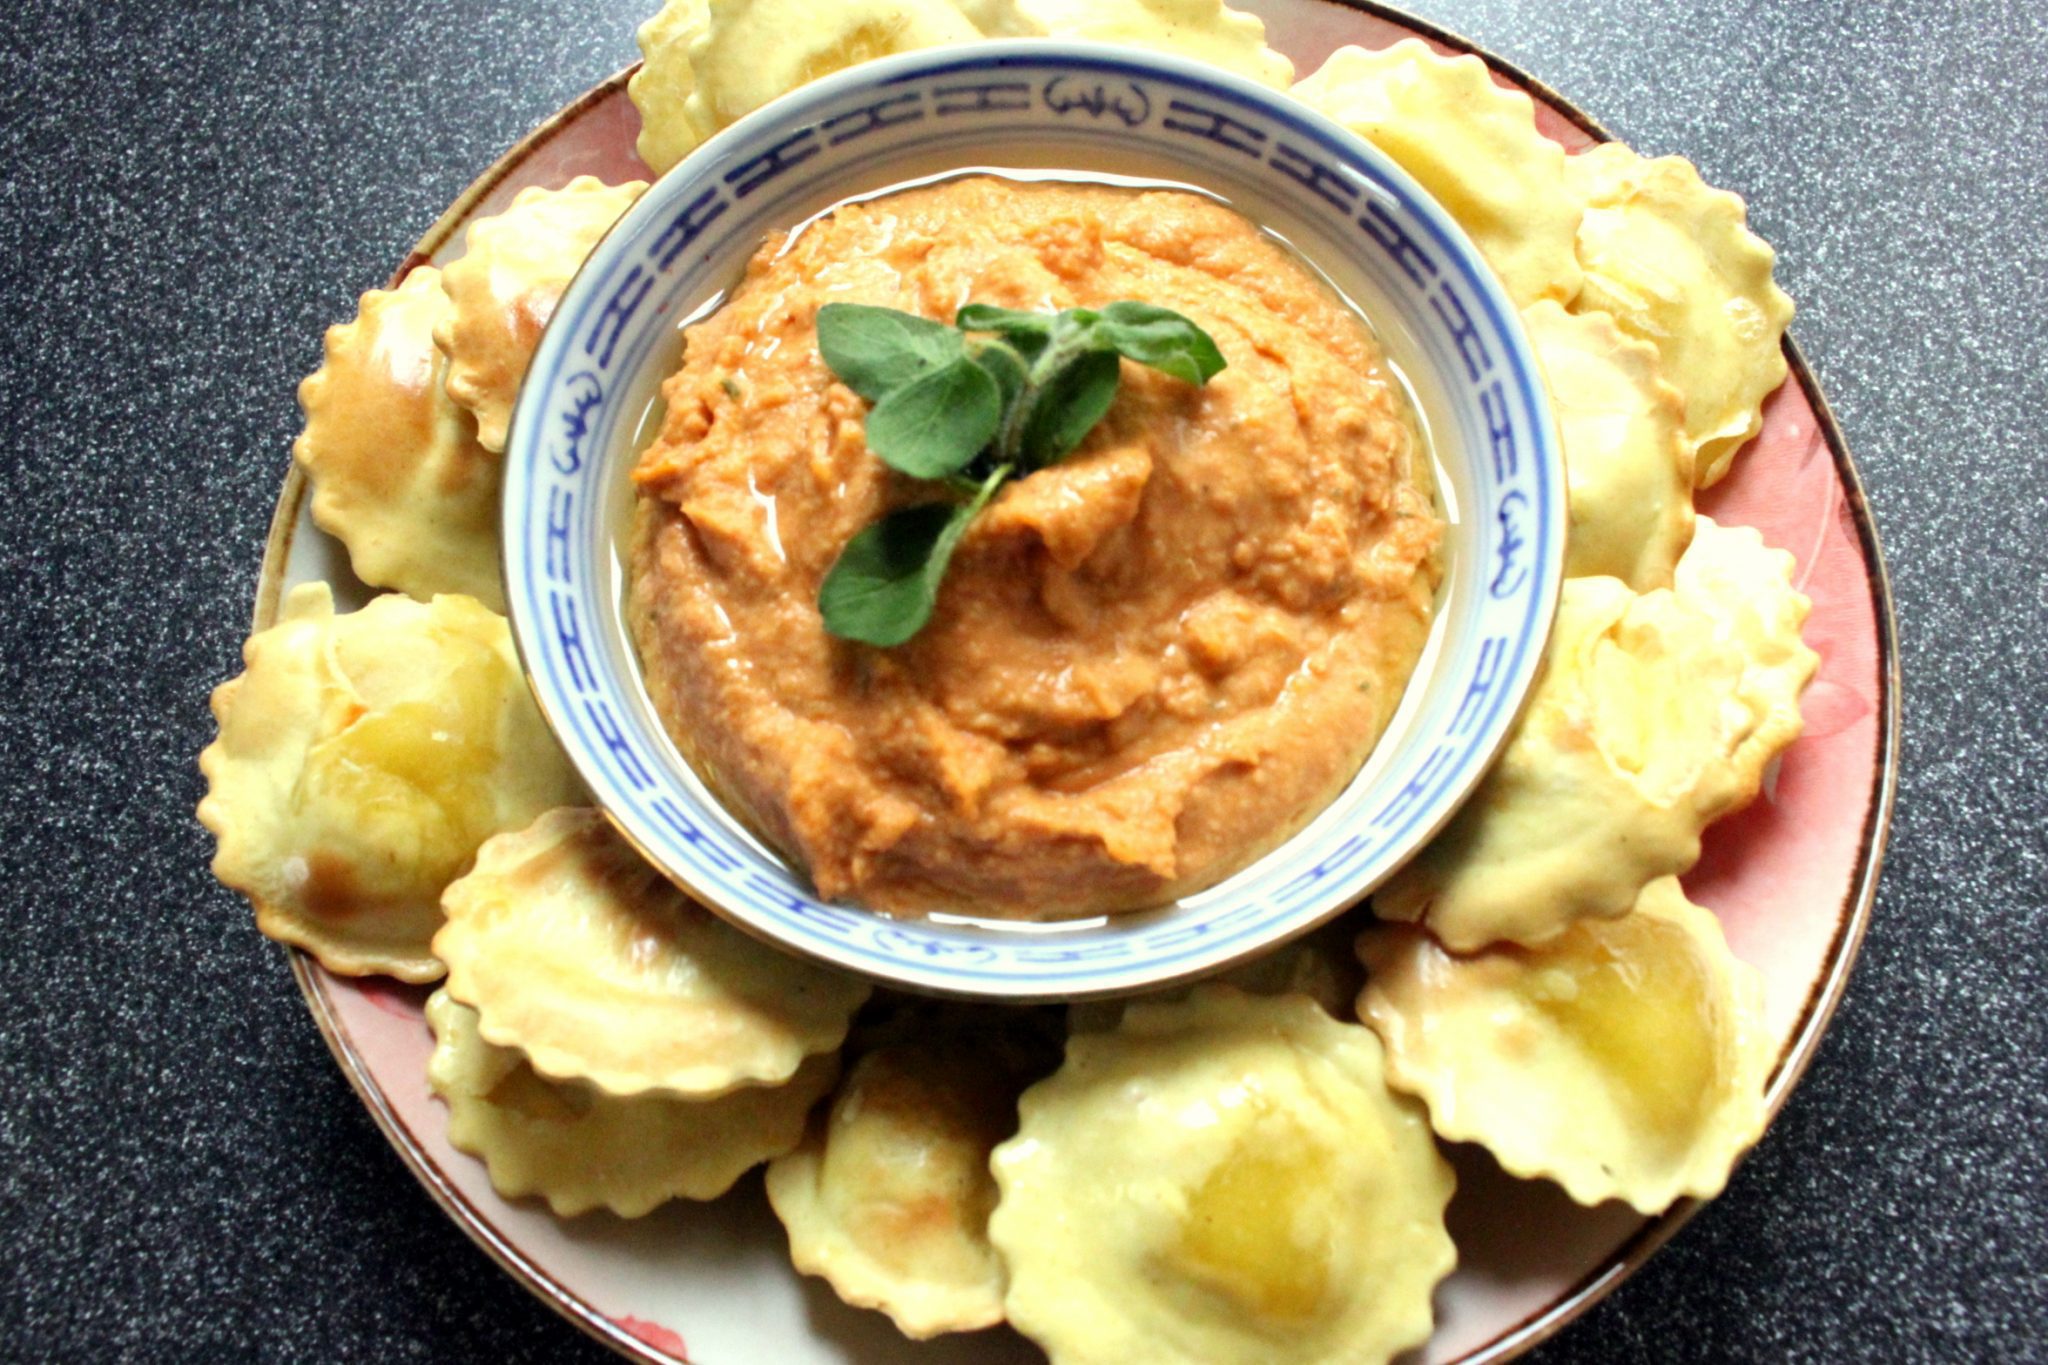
(753, 51)
(1473, 145)
(661, 88)
(399, 477)
(1674, 262)
(572, 949)
(1635, 738)
(581, 1149)
(1626, 458)
(1227, 1179)
(361, 761)
(504, 288)
(1625, 1060)
(888, 1198)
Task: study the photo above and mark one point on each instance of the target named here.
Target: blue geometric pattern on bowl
(1037, 107)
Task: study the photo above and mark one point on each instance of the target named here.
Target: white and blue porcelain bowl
(1036, 108)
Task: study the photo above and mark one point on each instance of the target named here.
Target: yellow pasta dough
(1656, 714)
(1628, 465)
(1226, 1179)
(399, 477)
(753, 51)
(710, 64)
(572, 949)
(661, 88)
(1605, 783)
(1624, 1060)
(1746, 588)
(888, 1198)
(581, 1149)
(361, 761)
(1473, 145)
(504, 288)
(1673, 261)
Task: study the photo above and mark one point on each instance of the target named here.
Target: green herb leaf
(936, 424)
(1067, 406)
(882, 588)
(874, 350)
(1160, 338)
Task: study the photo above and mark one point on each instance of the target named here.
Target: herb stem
(1065, 345)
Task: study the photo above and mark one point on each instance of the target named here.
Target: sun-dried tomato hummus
(1148, 664)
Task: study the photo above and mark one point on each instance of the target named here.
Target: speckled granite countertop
(189, 193)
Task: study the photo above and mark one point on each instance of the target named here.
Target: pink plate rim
(1852, 920)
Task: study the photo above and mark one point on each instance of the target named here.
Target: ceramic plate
(1792, 879)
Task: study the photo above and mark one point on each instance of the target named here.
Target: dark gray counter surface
(190, 191)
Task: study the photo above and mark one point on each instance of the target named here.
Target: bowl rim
(930, 972)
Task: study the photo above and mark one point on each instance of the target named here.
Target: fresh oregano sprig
(999, 394)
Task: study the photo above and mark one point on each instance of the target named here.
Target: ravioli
(575, 951)
(744, 53)
(1605, 783)
(888, 1198)
(1628, 465)
(753, 51)
(399, 477)
(1226, 1179)
(361, 760)
(504, 288)
(581, 1149)
(1473, 145)
(661, 88)
(1671, 258)
(1625, 1060)
(1653, 717)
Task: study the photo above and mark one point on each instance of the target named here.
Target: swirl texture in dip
(1148, 664)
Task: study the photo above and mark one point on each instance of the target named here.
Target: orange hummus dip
(1148, 664)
